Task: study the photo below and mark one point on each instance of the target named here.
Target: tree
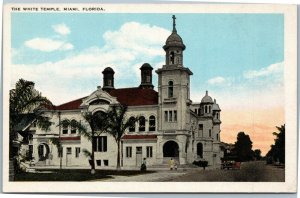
(257, 154)
(97, 123)
(277, 151)
(243, 147)
(117, 125)
(25, 103)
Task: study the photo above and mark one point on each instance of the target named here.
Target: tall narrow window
(77, 152)
(152, 123)
(217, 115)
(170, 89)
(170, 116)
(175, 116)
(200, 150)
(100, 144)
(128, 151)
(149, 151)
(142, 123)
(73, 128)
(209, 109)
(166, 116)
(172, 57)
(60, 151)
(217, 136)
(132, 124)
(65, 128)
(209, 132)
(205, 109)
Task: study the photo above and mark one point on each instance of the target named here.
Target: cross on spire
(174, 24)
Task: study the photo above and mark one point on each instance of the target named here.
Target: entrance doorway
(171, 149)
(139, 153)
(43, 151)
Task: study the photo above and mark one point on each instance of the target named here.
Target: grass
(74, 175)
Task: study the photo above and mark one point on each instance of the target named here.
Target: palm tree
(277, 151)
(24, 102)
(97, 123)
(117, 125)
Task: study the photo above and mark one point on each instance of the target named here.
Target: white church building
(171, 125)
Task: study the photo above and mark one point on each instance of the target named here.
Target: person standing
(144, 166)
(171, 164)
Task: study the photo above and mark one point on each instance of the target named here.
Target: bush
(201, 163)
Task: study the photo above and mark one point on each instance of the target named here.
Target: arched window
(152, 123)
(142, 123)
(170, 89)
(132, 124)
(205, 109)
(172, 56)
(217, 136)
(73, 126)
(200, 150)
(99, 120)
(65, 128)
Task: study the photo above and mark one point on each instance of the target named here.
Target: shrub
(201, 163)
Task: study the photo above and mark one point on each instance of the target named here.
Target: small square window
(69, 150)
(105, 162)
(98, 162)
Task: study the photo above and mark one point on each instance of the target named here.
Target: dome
(215, 106)
(207, 98)
(174, 40)
(146, 66)
(108, 70)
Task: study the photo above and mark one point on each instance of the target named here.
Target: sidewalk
(150, 177)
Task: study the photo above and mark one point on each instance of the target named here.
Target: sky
(238, 58)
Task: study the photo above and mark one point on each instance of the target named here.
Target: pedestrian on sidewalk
(144, 166)
(171, 164)
(175, 164)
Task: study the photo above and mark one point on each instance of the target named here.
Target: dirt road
(249, 172)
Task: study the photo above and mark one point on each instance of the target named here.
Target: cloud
(276, 68)
(220, 81)
(48, 45)
(61, 29)
(78, 74)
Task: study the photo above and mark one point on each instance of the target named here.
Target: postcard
(166, 97)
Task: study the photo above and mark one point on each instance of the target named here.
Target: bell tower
(174, 47)
(174, 85)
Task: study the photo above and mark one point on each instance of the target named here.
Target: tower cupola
(108, 78)
(174, 47)
(146, 76)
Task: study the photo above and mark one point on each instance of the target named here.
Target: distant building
(172, 126)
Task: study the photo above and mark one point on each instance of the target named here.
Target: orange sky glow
(259, 124)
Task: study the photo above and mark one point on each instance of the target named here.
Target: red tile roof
(139, 137)
(126, 96)
(135, 96)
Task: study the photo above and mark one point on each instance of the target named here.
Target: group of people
(172, 164)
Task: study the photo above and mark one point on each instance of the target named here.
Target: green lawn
(74, 175)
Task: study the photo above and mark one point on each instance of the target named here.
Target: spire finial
(174, 24)
(206, 93)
